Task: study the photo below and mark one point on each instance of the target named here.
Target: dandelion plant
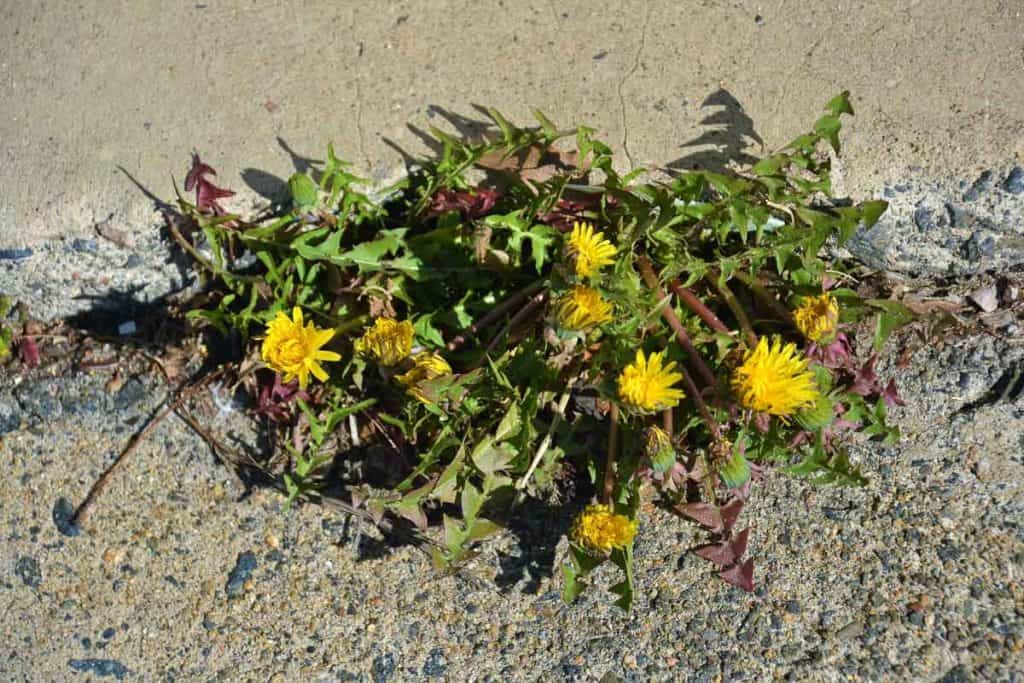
(516, 319)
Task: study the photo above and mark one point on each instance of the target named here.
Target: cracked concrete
(259, 88)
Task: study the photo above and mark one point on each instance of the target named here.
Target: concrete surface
(917, 577)
(257, 86)
(179, 577)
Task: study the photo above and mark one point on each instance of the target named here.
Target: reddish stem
(494, 314)
(691, 301)
(647, 271)
(684, 340)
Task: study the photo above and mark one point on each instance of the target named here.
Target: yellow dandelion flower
(647, 384)
(774, 379)
(582, 307)
(590, 249)
(599, 529)
(294, 349)
(388, 341)
(426, 366)
(817, 318)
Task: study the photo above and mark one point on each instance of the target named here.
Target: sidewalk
(260, 87)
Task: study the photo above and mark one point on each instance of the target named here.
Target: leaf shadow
(728, 132)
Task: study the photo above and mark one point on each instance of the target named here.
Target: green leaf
(893, 315)
(482, 528)
(573, 584)
(822, 468)
(818, 416)
(490, 458)
(303, 191)
(736, 471)
(454, 535)
(840, 104)
(828, 127)
(471, 502)
(549, 128)
(770, 165)
(367, 255)
(510, 424)
(444, 489)
(872, 210)
(426, 331)
(624, 589)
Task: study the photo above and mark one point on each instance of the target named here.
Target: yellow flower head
(647, 384)
(582, 307)
(293, 348)
(427, 366)
(388, 341)
(590, 249)
(775, 379)
(817, 318)
(600, 530)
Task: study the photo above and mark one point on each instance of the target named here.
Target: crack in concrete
(622, 83)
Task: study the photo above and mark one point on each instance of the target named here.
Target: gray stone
(27, 569)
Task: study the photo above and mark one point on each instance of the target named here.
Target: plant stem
(613, 445)
(533, 303)
(666, 421)
(734, 305)
(563, 401)
(684, 340)
(762, 293)
(647, 271)
(495, 313)
(691, 301)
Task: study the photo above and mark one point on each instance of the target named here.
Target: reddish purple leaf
(720, 554)
(704, 514)
(891, 396)
(866, 381)
(740, 575)
(197, 172)
(207, 193)
(274, 398)
(730, 512)
(28, 351)
(835, 354)
(738, 544)
(471, 204)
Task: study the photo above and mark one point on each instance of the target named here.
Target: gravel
(956, 228)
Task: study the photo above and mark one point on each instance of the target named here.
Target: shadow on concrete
(728, 132)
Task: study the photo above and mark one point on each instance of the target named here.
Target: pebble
(986, 298)
(383, 668)
(981, 185)
(242, 572)
(85, 245)
(127, 328)
(63, 516)
(924, 219)
(131, 392)
(436, 664)
(100, 667)
(1014, 183)
(15, 254)
(27, 569)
